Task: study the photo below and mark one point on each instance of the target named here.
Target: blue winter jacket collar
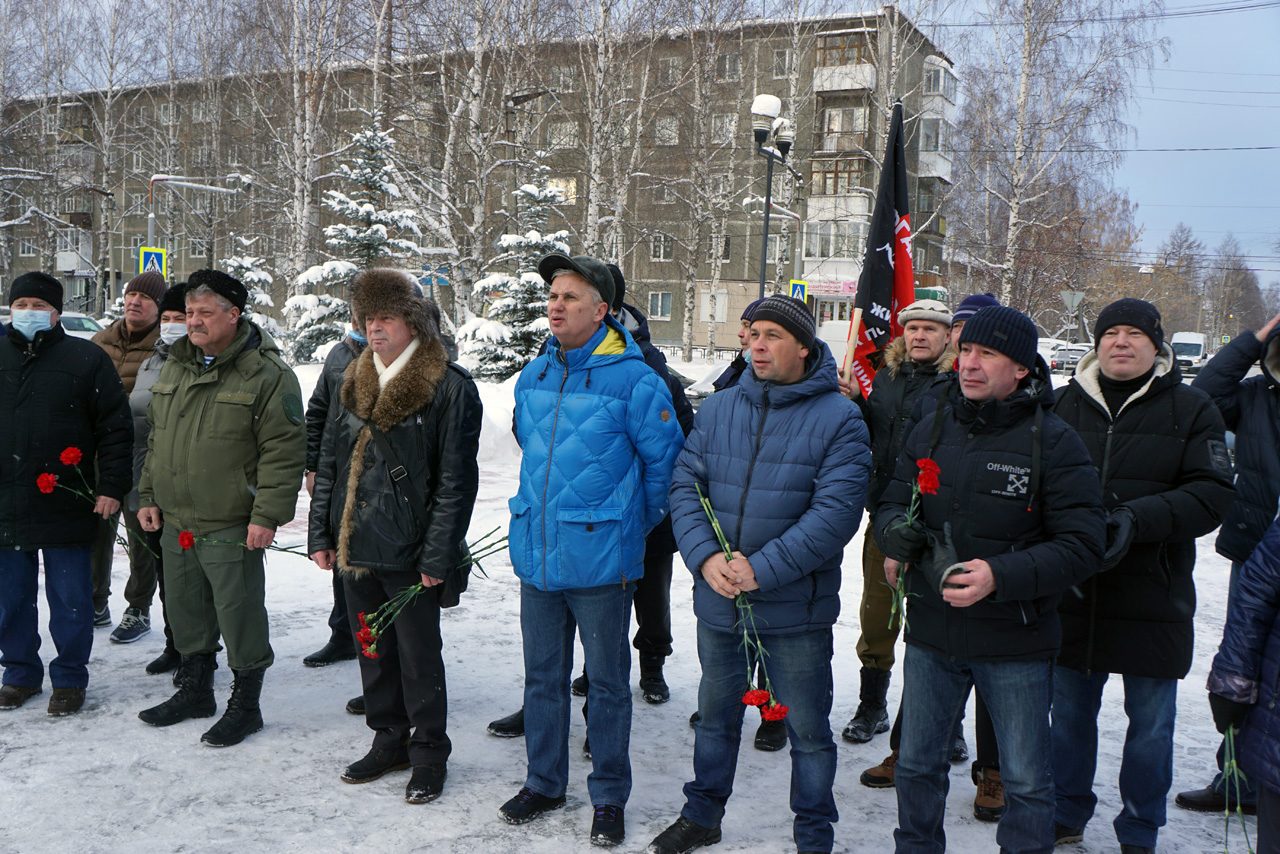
(819, 378)
(585, 357)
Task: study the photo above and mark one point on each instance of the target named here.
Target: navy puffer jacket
(1247, 666)
(1018, 490)
(786, 469)
(1251, 409)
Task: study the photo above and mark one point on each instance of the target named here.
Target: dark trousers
(986, 753)
(404, 687)
(152, 541)
(1268, 820)
(144, 557)
(653, 606)
(339, 620)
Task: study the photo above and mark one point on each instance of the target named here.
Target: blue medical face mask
(32, 321)
(357, 337)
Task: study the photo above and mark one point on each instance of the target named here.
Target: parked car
(1065, 358)
(75, 323)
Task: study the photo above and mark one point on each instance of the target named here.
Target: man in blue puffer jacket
(600, 436)
(784, 459)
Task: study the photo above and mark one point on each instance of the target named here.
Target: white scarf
(386, 373)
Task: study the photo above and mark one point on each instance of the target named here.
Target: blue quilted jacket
(786, 469)
(1247, 666)
(600, 436)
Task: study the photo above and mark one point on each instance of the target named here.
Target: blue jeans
(547, 622)
(800, 669)
(1146, 765)
(1017, 694)
(68, 587)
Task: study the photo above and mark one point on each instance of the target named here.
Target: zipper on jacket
(751, 465)
(546, 486)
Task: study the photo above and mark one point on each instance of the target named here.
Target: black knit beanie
(1137, 313)
(791, 314)
(1005, 330)
(38, 285)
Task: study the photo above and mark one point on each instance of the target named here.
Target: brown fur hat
(387, 291)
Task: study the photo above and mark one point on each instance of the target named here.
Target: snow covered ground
(104, 781)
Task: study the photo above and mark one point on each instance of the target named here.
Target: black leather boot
(872, 716)
(195, 694)
(243, 716)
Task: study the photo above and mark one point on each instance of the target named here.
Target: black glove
(1121, 526)
(1227, 713)
(905, 542)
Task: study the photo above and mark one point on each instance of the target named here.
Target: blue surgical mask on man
(32, 321)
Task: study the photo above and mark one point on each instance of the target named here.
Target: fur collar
(410, 390)
(895, 356)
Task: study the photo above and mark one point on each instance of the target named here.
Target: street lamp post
(765, 110)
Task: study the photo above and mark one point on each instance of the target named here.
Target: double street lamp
(765, 123)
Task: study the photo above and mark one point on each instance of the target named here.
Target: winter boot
(652, 686)
(988, 803)
(881, 776)
(243, 716)
(195, 694)
(872, 716)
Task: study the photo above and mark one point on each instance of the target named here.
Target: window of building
(782, 62)
(137, 161)
(940, 81)
(167, 113)
(934, 135)
(200, 112)
(844, 128)
(135, 244)
(70, 204)
(198, 247)
(562, 134)
(775, 249)
(568, 188)
(661, 247)
(27, 248)
(838, 239)
(49, 121)
(562, 78)
(724, 244)
(842, 49)
(729, 67)
(668, 70)
(925, 200)
(68, 239)
(202, 157)
(666, 130)
(662, 195)
(724, 127)
(137, 202)
(835, 177)
(722, 307)
(660, 305)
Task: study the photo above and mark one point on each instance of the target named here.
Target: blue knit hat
(1005, 330)
(971, 305)
(751, 308)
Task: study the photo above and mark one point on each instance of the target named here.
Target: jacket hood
(634, 321)
(1089, 376)
(819, 378)
(895, 356)
(1271, 356)
(596, 352)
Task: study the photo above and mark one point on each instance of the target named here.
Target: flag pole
(851, 344)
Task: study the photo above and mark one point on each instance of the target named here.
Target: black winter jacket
(1164, 457)
(431, 415)
(1251, 409)
(895, 393)
(55, 392)
(325, 396)
(1017, 490)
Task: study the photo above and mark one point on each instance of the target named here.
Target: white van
(1189, 348)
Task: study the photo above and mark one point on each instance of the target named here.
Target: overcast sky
(1236, 55)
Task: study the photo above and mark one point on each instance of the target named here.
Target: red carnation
(47, 483)
(186, 540)
(928, 479)
(370, 652)
(755, 697)
(360, 618)
(773, 712)
(70, 456)
(365, 636)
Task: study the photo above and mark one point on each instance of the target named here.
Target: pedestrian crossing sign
(799, 289)
(153, 260)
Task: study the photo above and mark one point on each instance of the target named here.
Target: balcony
(838, 141)
(844, 78)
